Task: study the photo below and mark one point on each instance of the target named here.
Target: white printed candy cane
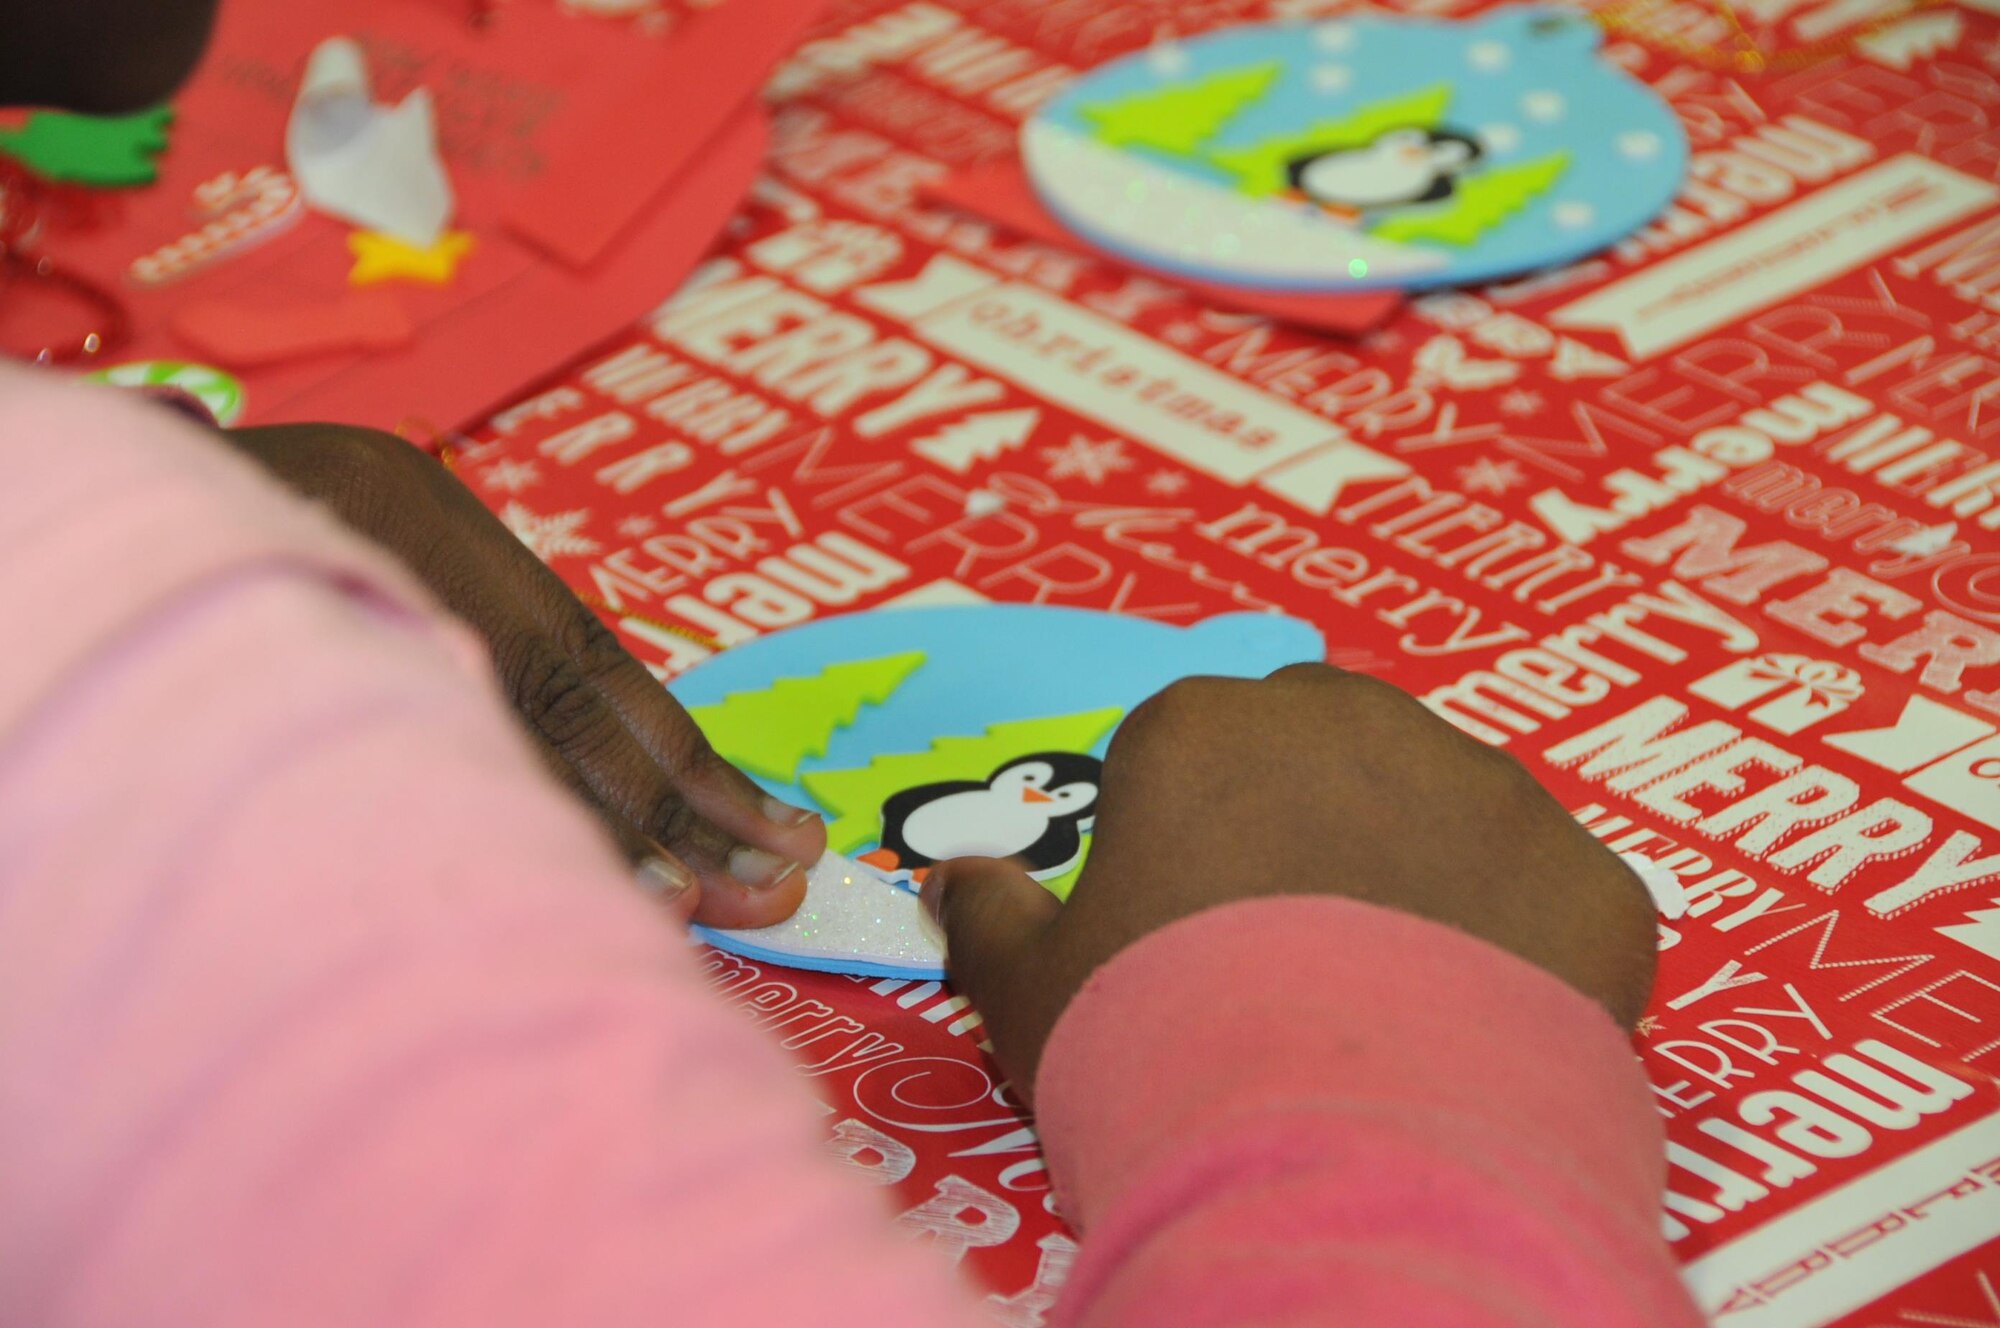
(247, 209)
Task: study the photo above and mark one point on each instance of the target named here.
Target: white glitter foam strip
(852, 919)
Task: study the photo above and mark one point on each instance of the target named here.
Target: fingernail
(757, 869)
(931, 895)
(665, 879)
(786, 814)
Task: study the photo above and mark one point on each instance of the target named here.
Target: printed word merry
(1770, 803)
(1569, 670)
(1827, 1113)
(1709, 456)
(802, 349)
(1941, 647)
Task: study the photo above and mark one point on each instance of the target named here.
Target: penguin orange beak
(1032, 795)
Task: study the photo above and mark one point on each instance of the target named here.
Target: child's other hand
(1312, 781)
(604, 725)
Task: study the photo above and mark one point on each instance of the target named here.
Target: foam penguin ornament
(1358, 153)
(1034, 809)
(898, 728)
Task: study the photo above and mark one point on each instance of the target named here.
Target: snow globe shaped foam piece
(923, 734)
(1360, 153)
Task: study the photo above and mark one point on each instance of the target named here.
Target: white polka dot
(984, 502)
(1331, 78)
(1543, 106)
(1572, 215)
(1169, 59)
(1333, 37)
(1500, 138)
(1489, 56)
(1639, 144)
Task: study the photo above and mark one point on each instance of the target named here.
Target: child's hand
(1313, 781)
(606, 727)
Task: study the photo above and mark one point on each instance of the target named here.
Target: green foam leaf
(1477, 205)
(772, 732)
(1178, 119)
(106, 151)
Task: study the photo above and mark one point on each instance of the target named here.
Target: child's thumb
(993, 914)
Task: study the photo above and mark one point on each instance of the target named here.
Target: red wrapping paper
(1726, 495)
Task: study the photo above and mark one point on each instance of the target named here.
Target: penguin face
(1401, 166)
(1031, 781)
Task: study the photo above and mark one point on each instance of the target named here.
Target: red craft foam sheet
(1722, 499)
(240, 334)
(612, 164)
(526, 107)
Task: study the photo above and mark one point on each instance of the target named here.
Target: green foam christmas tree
(1177, 120)
(772, 732)
(854, 798)
(1479, 203)
(105, 151)
(1259, 169)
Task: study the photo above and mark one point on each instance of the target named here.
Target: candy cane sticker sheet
(1702, 528)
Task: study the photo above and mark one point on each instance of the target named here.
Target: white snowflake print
(1379, 342)
(1331, 78)
(1091, 462)
(548, 537)
(1544, 105)
(1521, 402)
(637, 527)
(1647, 1026)
(1166, 483)
(1181, 334)
(1489, 476)
(510, 476)
(1574, 215)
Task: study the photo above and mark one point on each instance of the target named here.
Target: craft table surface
(1735, 482)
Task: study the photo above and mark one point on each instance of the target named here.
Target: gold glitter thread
(701, 639)
(444, 444)
(1744, 56)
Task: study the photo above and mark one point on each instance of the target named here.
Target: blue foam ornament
(993, 678)
(1359, 153)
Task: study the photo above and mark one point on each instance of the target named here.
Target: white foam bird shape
(375, 166)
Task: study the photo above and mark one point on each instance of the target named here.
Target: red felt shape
(515, 97)
(1002, 193)
(492, 346)
(240, 334)
(608, 167)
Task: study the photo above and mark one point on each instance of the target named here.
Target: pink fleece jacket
(320, 1005)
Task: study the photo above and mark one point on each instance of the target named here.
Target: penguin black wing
(1056, 851)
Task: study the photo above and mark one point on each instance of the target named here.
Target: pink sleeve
(321, 1006)
(1318, 1111)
